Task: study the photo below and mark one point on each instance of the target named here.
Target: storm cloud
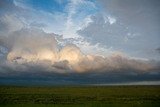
(28, 51)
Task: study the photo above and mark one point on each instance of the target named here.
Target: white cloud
(111, 20)
(87, 20)
(33, 48)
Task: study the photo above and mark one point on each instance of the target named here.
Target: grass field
(84, 96)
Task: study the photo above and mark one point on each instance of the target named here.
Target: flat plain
(80, 96)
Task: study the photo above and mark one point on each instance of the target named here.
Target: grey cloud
(102, 32)
(135, 32)
(158, 50)
(113, 63)
(143, 16)
(64, 65)
(6, 5)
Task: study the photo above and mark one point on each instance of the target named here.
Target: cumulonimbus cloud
(32, 47)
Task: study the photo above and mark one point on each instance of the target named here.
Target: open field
(84, 96)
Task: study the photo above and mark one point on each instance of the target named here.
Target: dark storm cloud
(49, 78)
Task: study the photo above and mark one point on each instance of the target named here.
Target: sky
(79, 42)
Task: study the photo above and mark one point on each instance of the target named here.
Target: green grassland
(82, 96)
